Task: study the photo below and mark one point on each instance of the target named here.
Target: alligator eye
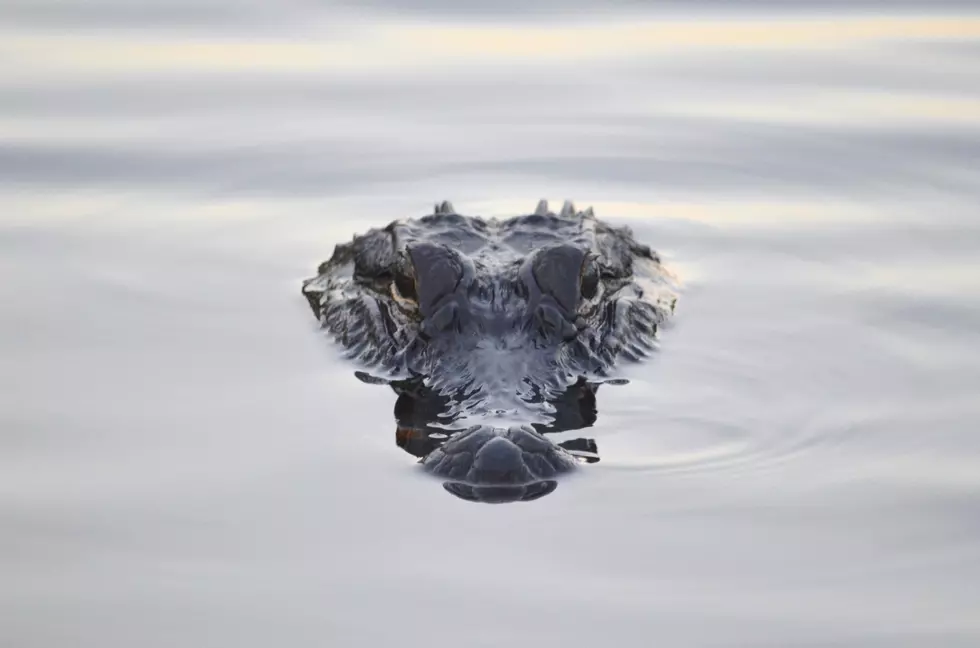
(403, 289)
(589, 283)
(557, 271)
(436, 273)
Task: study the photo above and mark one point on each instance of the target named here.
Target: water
(185, 461)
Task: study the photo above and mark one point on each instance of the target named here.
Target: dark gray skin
(501, 320)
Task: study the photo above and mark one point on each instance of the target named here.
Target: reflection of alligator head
(493, 333)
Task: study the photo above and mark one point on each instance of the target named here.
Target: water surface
(186, 461)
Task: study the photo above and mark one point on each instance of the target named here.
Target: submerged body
(498, 321)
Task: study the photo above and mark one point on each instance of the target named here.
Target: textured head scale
(500, 316)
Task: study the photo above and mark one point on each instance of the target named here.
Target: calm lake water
(185, 461)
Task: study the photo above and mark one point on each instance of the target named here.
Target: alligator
(493, 333)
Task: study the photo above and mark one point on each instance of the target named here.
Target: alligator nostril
(499, 461)
(484, 458)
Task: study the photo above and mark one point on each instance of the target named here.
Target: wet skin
(495, 329)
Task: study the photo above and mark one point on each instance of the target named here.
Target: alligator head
(493, 327)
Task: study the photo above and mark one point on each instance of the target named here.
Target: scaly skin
(499, 319)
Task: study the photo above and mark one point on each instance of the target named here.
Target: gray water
(185, 460)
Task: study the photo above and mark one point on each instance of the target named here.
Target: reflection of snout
(500, 494)
(491, 464)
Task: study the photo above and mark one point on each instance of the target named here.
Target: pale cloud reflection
(835, 108)
(364, 47)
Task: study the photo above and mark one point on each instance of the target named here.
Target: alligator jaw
(493, 464)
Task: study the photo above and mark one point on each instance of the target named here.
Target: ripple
(701, 444)
(720, 405)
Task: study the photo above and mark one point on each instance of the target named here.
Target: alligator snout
(475, 319)
(490, 464)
